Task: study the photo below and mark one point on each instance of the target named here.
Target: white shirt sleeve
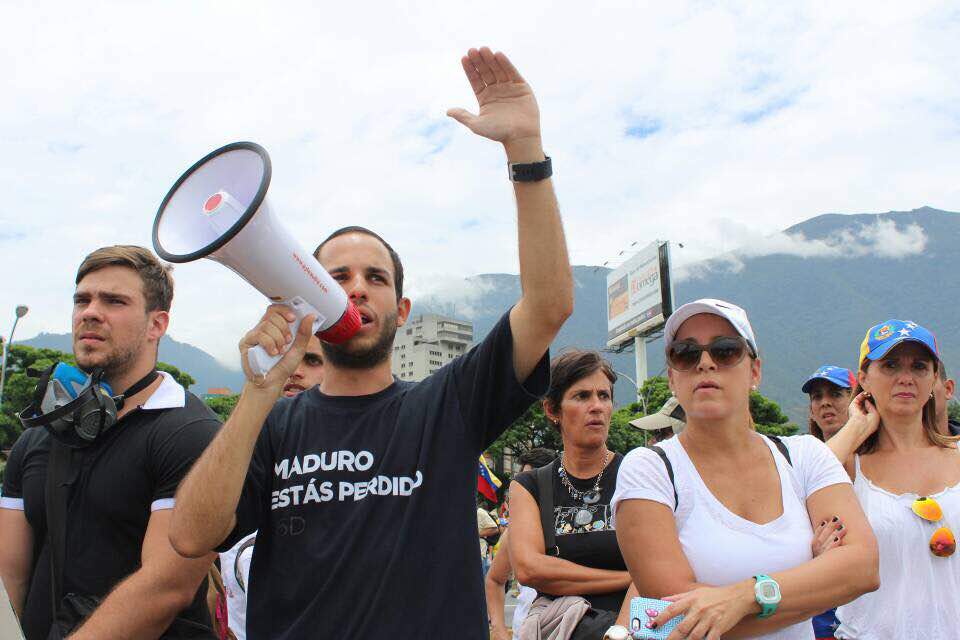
(643, 476)
(815, 463)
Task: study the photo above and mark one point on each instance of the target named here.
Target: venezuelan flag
(487, 482)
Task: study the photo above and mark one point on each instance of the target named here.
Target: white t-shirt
(722, 547)
(918, 595)
(232, 568)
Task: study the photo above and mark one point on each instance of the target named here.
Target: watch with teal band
(767, 592)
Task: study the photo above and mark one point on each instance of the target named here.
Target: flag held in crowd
(487, 482)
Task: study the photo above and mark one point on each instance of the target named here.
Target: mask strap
(135, 388)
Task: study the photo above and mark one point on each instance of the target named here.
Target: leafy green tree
(768, 417)
(655, 392)
(183, 378)
(223, 405)
(953, 411)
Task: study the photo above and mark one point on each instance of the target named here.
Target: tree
(223, 405)
(953, 411)
(183, 378)
(655, 392)
(768, 417)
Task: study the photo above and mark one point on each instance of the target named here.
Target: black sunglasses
(725, 352)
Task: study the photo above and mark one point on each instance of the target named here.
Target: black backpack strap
(57, 492)
(782, 447)
(544, 476)
(666, 462)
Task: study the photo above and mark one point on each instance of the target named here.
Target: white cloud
(883, 238)
(756, 116)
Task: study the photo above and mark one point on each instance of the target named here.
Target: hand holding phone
(642, 611)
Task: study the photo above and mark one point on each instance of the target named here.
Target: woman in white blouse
(721, 524)
(907, 478)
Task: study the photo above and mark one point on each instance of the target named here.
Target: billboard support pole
(640, 355)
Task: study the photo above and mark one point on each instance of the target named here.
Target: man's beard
(115, 363)
(342, 356)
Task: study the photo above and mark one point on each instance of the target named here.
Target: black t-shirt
(591, 545)
(134, 470)
(366, 506)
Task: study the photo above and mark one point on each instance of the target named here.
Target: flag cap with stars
(882, 337)
(839, 376)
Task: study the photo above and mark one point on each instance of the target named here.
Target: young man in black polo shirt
(119, 505)
(363, 490)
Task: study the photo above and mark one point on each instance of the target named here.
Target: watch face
(768, 592)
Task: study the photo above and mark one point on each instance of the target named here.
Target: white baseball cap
(730, 312)
(670, 416)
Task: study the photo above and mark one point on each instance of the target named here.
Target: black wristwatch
(530, 171)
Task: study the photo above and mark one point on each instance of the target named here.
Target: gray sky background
(709, 123)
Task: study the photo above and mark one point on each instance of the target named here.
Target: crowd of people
(338, 501)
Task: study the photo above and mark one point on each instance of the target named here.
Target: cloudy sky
(706, 123)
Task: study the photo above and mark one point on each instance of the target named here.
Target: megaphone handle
(257, 357)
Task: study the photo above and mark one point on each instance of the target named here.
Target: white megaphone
(218, 210)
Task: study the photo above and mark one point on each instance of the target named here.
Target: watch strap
(767, 609)
(530, 171)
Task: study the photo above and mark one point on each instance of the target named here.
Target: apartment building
(427, 342)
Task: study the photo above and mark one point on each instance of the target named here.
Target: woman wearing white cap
(722, 523)
(907, 477)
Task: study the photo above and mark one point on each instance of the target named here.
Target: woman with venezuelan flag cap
(907, 477)
(830, 389)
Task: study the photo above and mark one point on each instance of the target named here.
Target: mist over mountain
(811, 292)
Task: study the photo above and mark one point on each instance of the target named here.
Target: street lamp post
(640, 397)
(21, 311)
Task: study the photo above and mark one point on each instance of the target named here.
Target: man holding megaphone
(363, 489)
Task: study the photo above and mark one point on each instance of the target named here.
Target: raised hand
(508, 109)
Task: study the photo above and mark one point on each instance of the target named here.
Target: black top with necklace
(584, 527)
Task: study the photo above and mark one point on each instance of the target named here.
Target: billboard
(639, 294)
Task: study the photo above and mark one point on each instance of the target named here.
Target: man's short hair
(537, 457)
(394, 257)
(155, 276)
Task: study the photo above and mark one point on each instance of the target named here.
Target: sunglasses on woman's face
(725, 352)
(942, 542)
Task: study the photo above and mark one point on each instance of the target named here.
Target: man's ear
(157, 323)
(403, 311)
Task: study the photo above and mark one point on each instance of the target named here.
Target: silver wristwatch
(616, 632)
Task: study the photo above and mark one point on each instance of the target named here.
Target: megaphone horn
(218, 210)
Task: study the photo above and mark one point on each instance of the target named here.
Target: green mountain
(806, 311)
